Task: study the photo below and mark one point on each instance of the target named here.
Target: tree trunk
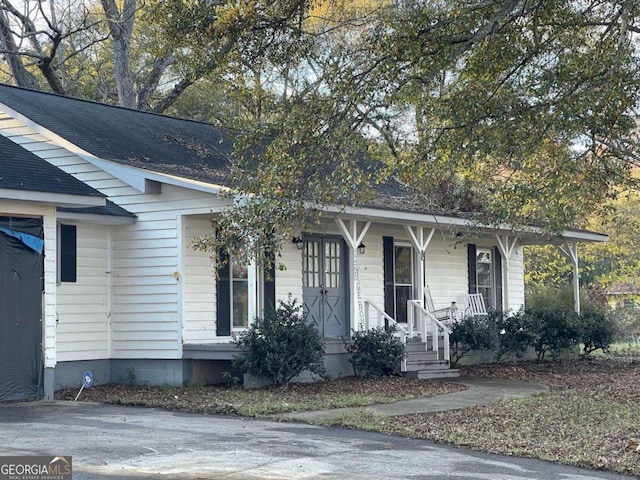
(22, 77)
(120, 28)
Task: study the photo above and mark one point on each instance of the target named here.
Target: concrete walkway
(480, 391)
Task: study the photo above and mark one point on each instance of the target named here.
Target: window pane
(239, 271)
(311, 265)
(483, 269)
(332, 265)
(486, 295)
(403, 265)
(240, 303)
(484, 275)
(403, 294)
(68, 253)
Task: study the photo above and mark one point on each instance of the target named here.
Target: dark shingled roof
(109, 209)
(22, 170)
(158, 143)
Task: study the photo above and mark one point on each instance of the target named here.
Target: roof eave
(95, 218)
(529, 234)
(59, 199)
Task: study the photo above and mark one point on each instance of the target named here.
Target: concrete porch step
(416, 345)
(433, 374)
(434, 365)
(423, 356)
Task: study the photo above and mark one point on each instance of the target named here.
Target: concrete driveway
(114, 442)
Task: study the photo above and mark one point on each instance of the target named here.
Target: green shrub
(514, 336)
(597, 331)
(375, 352)
(553, 330)
(281, 346)
(471, 333)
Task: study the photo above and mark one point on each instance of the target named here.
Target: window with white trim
(484, 275)
(403, 279)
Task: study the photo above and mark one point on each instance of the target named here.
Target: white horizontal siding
(289, 276)
(516, 280)
(153, 312)
(446, 271)
(83, 305)
(199, 287)
(371, 269)
(146, 316)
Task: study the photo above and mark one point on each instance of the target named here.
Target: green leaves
(281, 346)
(505, 112)
(375, 352)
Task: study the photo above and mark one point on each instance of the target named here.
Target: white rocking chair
(446, 315)
(474, 305)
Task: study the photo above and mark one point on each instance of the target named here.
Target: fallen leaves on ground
(589, 418)
(344, 392)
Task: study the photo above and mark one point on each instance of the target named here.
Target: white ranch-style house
(114, 198)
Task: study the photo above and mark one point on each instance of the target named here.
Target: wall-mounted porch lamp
(362, 249)
(298, 242)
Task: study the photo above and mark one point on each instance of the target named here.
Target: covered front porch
(360, 269)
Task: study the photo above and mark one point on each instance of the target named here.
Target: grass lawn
(590, 417)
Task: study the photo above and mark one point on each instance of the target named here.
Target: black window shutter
(269, 285)
(471, 261)
(389, 281)
(497, 274)
(68, 253)
(223, 298)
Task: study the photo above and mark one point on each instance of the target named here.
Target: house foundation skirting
(203, 370)
(125, 371)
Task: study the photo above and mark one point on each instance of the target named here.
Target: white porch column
(420, 238)
(506, 244)
(354, 236)
(570, 250)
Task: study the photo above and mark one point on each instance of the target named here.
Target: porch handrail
(423, 325)
(382, 315)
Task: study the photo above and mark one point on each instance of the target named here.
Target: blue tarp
(31, 241)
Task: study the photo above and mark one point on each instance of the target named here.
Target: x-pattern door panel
(324, 285)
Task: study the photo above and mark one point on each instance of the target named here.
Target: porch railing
(422, 323)
(380, 317)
